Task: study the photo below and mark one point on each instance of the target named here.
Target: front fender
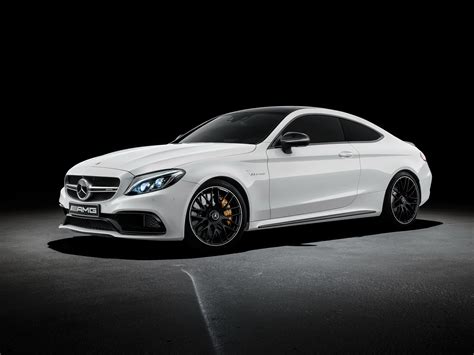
(252, 176)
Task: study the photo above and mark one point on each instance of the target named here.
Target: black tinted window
(319, 128)
(251, 127)
(357, 132)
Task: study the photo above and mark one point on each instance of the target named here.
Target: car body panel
(312, 179)
(381, 160)
(313, 184)
(143, 160)
(249, 171)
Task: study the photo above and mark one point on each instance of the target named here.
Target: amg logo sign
(84, 210)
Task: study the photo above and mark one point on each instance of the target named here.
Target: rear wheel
(402, 200)
(216, 217)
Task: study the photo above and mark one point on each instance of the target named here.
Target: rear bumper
(425, 178)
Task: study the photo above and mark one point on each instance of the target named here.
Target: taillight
(422, 156)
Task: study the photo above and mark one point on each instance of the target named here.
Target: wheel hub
(214, 215)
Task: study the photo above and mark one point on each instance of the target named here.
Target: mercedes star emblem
(83, 189)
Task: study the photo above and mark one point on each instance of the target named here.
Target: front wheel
(216, 217)
(402, 200)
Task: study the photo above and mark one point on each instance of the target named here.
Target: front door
(319, 177)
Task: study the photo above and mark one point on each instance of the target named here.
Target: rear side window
(319, 128)
(357, 132)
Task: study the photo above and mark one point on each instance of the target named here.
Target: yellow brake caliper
(228, 211)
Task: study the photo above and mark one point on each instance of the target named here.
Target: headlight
(158, 180)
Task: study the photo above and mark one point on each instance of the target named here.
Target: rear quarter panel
(380, 161)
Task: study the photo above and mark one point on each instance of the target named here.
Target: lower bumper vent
(139, 223)
(123, 223)
(89, 223)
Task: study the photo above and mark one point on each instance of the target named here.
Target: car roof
(274, 109)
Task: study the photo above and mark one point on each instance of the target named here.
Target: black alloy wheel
(216, 216)
(402, 200)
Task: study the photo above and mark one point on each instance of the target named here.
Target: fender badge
(251, 173)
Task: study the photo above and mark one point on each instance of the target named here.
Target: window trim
(274, 144)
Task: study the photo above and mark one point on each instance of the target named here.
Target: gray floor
(337, 287)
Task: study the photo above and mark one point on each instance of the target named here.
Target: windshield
(249, 126)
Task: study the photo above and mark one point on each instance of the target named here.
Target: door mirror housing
(293, 139)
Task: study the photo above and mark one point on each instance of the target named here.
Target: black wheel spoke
(231, 199)
(199, 203)
(397, 200)
(228, 228)
(226, 195)
(214, 197)
(199, 211)
(201, 226)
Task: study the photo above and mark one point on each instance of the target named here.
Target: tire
(402, 200)
(216, 217)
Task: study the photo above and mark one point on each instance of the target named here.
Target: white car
(248, 170)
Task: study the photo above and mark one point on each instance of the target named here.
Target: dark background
(76, 94)
(82, 82)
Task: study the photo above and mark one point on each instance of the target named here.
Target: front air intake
(139, 222)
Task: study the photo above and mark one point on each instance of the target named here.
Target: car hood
(148, 159)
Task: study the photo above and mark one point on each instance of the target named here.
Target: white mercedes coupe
(248, 170)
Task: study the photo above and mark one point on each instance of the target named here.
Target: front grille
(89, 223)
(96, 181)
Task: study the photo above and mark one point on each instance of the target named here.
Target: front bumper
(168, 205)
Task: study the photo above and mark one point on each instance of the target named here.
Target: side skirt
(317, 219)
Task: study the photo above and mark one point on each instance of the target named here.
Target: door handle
(345, 154)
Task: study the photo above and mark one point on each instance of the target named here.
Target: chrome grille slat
(103, 189)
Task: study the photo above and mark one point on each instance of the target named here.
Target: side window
(357, 132)
(319, 128)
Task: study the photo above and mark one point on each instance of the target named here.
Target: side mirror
(293, 139)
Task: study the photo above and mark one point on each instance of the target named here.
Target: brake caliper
(227, 211)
